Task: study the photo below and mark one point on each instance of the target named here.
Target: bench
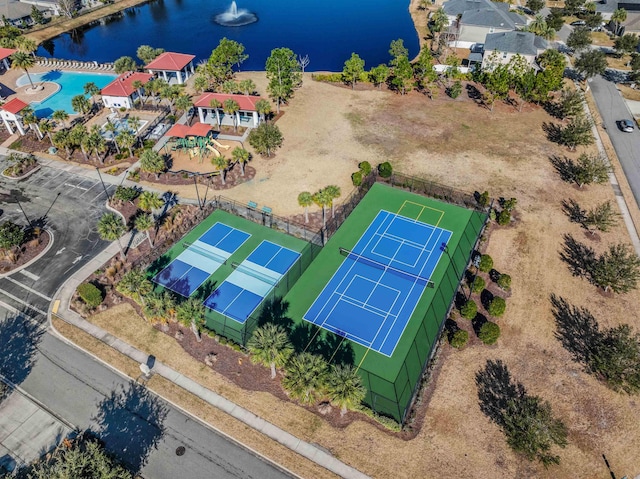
(266, 210)
(252, 205)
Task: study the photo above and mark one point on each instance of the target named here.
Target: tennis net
(385, 267)
(255, 274)
(207, 253)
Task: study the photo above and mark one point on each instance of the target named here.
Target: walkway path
(60, 307)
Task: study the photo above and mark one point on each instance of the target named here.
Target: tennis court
(251, 281)
(374, 292)
(201, 259)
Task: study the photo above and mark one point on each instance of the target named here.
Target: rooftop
(123, 85)
(524, 43)
(246, 102)
(14, 106)
(170, 61)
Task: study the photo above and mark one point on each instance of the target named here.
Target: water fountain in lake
(235, 17)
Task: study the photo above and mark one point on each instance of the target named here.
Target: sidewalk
(61, 304)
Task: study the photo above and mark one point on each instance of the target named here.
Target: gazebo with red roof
(173, 67)
(121, 92)
(5, 53)
(10, 113)
(247, 115)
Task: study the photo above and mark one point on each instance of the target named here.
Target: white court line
(29, 275)
(31, 290)
(9, 295)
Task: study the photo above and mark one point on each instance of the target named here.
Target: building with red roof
(121, 93)
(10, 113)
(5, 53)
(247, 114)
(173, 67)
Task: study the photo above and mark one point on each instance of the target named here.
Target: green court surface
(391, 380)
(214, 320)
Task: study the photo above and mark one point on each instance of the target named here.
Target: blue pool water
(71, 84)
(326, 30)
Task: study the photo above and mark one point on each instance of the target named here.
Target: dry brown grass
(463, 145)
(602, 39)
(618, 63)
(629, 93)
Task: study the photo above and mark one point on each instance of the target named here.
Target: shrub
(134, 175)
(365, 167)
(356, 178)
(489, 332)
(504, 281)
(509, 204)
(126, 193)
(483, 199)
(492, 214)
(497, 307)
(90, 294)
(504, 218)
(486, 263)
(454, 90)
(478, 284)
(459, 339)
(385, 169)
(469, 309)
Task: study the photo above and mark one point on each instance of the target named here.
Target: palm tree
(184, 102)
(322, 199)
(110, 228)
(200, 84)
(263, 107)
(97, 142)
(62, 139)
(191, 314)
(80, 104)
(145, 223)
(92, 90)
(619, 15)
(138, 85)
(240, 155)
(26, 44)
(229, 87)
(537, 25)
(231, 107)
(215, 104)
(590, 7)
(30, 119)
(439, 20)
(222, 164)
(134, 283)
(159, 306)
(25, 61)
(152, 162)
(46, 127)
(305, 377)
(149, 201)
(247, 86)
(270, 346)
(305, 199)
(60, 115)
(344, 387)
(134, 123)
(332, 192)
(113, 129)
(126, 139)
(77, 137)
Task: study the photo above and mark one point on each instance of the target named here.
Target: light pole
(101, 181)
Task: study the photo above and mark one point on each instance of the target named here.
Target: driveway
(612, 108)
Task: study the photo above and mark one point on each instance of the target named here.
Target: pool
(70, 84)
(121, 124)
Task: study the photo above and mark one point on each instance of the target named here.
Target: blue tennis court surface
(201, 259)
(373, 294)
(252, 280)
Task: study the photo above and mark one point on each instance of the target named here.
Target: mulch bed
(22, 173)
(31, 248)
(233, 178)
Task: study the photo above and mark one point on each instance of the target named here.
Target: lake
(326, 30)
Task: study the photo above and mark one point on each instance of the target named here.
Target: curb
(33, 260)
(26, 175)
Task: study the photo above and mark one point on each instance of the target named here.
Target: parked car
(626, 125)
(578, 23)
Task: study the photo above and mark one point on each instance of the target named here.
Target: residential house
(121, 93)
(470, 21)
(503, 46)
(18, 14)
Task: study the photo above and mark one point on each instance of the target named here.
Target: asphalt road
(140, 428)
(627, 145)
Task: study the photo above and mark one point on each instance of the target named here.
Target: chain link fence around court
(241, 332)
(395, 398)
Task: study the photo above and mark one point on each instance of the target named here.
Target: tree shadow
(577, 330)
(496, 389)
(574, 211)
(473, 93)
(486, 297)
(158, 265)
(275, 311)
(553, 109)
(478, 322)
(130, 420)
(335, 349)
(565, 167)
(205, 289)
(460, 299)
(494, 275)
(553, 132)
(304, 337)
(19, 338)
(578, 256)
(450, 328)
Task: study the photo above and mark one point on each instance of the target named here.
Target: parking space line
(31, 290)
(92, 187)
(52, 178)
(29, 274)
(15, 298)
